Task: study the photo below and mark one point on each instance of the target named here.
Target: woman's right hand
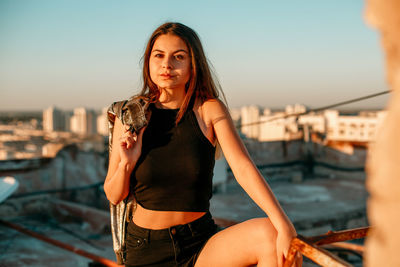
(130, 145)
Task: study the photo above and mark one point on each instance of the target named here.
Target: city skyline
(45, 136)
(87, 53)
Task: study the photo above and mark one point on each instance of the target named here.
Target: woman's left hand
(283, 240)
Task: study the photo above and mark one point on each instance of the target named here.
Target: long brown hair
(201, 84)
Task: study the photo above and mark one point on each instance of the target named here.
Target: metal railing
(311, 247)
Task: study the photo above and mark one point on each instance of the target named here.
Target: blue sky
(72, 53)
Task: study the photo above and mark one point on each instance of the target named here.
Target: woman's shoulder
(213, 109)
(214, 106)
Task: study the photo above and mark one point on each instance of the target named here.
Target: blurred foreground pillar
(383, 183)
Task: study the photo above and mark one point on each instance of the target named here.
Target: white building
(315, 122)
(295, 109)
(360, 128)
(53, 119)
(278, 126)
(102, 122)
(235, 114)
(83, 121)
(354, 128)
(274, 127)
(250, 114)
(271, 126)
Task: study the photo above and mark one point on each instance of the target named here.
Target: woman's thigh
(244, 244)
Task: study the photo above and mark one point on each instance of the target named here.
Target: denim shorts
(178, 245)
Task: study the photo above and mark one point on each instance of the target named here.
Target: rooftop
(315, 206)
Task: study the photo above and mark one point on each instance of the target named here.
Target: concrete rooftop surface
(315, 206)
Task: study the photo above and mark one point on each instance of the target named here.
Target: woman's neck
(171, 98)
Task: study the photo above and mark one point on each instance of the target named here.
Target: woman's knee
(264, 233)
(241, 245)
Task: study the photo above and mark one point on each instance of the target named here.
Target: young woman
(168, 168)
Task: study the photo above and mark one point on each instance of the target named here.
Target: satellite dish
(8, 185)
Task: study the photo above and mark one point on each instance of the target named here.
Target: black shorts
(178, 245)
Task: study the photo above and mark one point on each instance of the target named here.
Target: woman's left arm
(247, 174)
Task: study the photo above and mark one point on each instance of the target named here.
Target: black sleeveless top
(175, 169)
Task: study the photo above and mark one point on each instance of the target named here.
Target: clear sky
(72, 53)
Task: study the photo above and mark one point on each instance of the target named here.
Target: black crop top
(175, 169)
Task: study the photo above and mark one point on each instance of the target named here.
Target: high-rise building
(102, 122)
(250, 114)
(83, 121)
(53, 119)
(68, 115)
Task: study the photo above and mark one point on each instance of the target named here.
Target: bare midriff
(154, 219)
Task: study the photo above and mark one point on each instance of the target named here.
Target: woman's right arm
(125, 152)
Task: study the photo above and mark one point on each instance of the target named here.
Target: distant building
(277, 127)
(315, 122)
(362, 128)
(68, 115)
(249, 115)
(271, 126)
(327, 126)
(83, 121)
(53, 119)
(235, 115)
(102, 122)
(295, 109)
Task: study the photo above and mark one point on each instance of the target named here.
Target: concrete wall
(71, 168)
(287, 160)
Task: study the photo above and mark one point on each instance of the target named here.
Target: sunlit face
(169, 62)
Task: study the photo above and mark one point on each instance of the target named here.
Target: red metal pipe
(339, 236)
(314, 253)
(350, 246)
